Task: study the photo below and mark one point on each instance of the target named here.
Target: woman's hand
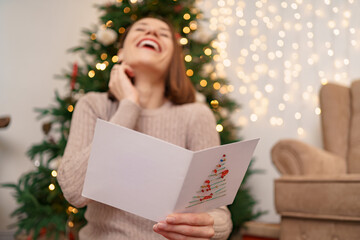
(186, 226)
(120, 84)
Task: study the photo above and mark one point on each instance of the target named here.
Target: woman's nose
(152, 31)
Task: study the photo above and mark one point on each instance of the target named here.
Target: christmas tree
(42, 208)
(214, 187)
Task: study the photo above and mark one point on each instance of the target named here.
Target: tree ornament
(207, 69)
(106, 36)
(74, 76)
(54, 164)
(4, 122)
(201, 35)
(46, 127)
(200, 97)
(178, 8)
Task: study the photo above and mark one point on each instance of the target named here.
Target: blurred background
(275, 54)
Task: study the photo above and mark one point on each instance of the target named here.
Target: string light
(122, 30)
(300, 131)
(208, 51)
(70, 108)
(115, 59)
(54, 173)
(70, 224)
(183, 41)
(188, 58)
(203, 83)
(51, 187)
(253, 117)
(100, 66)
(91, 73)
(296, 56)
(71, 209)
(219, 128)
(189, 72)
(186, 16)
(126, 10)
(216, 86)
(186, 30)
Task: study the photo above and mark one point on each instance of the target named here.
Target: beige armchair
(318, 194)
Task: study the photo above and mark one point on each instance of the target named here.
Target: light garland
(283, 41)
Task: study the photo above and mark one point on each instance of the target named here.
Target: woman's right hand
(120, 84)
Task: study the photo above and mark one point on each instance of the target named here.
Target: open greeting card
(152, 178)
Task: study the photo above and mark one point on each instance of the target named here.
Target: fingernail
(161, 225)
(155, 227)
(170, 219)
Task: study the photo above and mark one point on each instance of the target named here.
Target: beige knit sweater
(191, 126)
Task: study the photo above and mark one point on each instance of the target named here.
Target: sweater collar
(149, 112)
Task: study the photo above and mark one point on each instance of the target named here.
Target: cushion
(335, 118)
(313, 229)
(354, 139)
(319, 197)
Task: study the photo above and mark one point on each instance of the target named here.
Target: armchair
(318, 194)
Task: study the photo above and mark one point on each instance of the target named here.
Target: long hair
(178, 87)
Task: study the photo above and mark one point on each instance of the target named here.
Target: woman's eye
(140, 29)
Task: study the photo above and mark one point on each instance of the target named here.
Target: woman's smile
(149, 44)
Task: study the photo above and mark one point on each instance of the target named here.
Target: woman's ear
(120, 55)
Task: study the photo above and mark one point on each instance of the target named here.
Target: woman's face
(148, 44)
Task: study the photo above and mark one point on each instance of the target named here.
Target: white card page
(152, 178)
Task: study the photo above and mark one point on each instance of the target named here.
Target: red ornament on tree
(177, 36)
(178, 8)
(73, 76)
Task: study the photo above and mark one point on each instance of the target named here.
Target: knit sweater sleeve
(73, 165)
(202, 134)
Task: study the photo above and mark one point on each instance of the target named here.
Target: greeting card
(152, 178)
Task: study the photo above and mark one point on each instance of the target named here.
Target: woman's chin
(148, 63)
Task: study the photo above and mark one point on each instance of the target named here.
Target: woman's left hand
(186, 226)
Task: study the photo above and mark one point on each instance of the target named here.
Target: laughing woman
(150, 94)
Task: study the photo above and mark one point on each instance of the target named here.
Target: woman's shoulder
(94, 97)
(98, 102)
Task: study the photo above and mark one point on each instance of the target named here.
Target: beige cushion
(319, 197)
(313, 229)
(354, 143)
(335, 118)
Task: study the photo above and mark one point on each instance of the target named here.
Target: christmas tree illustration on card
(214, 186)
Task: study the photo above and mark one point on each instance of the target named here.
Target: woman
(153, 96)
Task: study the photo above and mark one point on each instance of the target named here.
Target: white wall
(34, 38)
(36, 34)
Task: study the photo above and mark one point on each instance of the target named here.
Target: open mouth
(150, 44)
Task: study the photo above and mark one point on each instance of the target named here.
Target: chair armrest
(292, 157)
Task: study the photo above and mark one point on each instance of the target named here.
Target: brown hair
(178, 87)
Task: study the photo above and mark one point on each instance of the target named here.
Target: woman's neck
(151, 90)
